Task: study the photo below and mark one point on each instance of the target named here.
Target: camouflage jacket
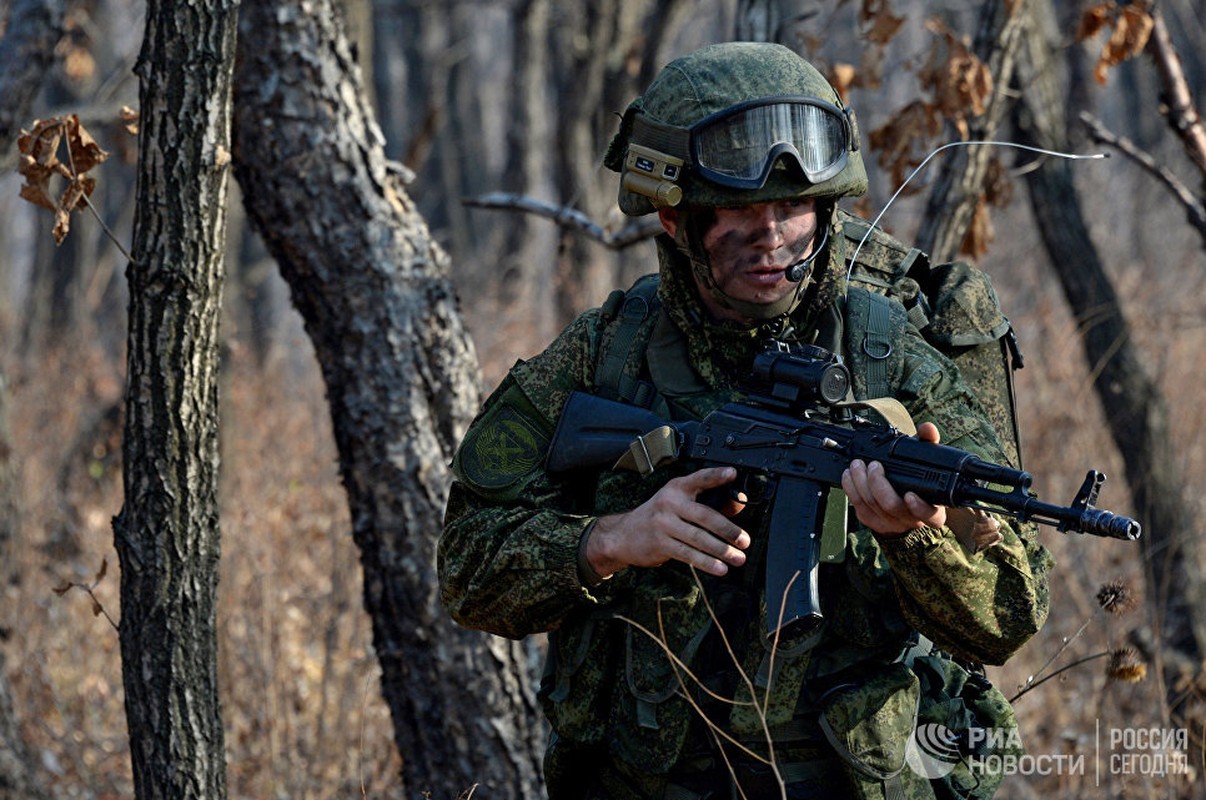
(508, 554)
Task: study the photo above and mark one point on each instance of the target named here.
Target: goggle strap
(666, 138)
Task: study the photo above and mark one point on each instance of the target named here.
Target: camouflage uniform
(630, 722)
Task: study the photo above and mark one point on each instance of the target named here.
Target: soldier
(660, 681)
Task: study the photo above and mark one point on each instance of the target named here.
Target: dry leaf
(1130, 28)
(960, 82)
(882, 24)
(980, 232)
(841, 77)
(40, 162)
(901, 141)
(1093, 20)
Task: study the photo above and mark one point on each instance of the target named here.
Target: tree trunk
(959, 187)
(167, 535)
(1134, 406)
(402, 380)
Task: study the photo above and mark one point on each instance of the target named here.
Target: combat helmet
(733, 124)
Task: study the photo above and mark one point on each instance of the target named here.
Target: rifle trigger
(650, 451)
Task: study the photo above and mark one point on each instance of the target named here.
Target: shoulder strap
(875, 310)
(629, 318)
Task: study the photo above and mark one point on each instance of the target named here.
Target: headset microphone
(795, 273)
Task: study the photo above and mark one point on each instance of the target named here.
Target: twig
(1065, 668)
(1031, 682)
(108, 232)
(1194, 208)
(570, 219)
(87, 588)
(1179, 107)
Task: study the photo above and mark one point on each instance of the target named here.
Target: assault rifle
(792, 438)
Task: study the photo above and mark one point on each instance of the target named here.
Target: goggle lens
(739, 147)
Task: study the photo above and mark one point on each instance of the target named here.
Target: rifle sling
(649, 451)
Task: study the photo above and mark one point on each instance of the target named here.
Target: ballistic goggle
(738, 146)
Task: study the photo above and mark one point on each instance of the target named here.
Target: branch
(1178, 106)
(571, 219)
(1194, 209)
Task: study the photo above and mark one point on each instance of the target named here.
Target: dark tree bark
(1134, 406)
(402, 381)
(167, 535)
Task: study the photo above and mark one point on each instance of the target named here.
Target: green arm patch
(504, 449)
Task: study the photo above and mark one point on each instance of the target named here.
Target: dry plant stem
(760, 710)
(97, 608)
(108, 232)
(1034, 679)
(88, 201)
(1035, 684)
(678, 664)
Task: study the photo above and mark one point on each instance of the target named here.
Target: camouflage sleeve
(979, 605)
(507, 556)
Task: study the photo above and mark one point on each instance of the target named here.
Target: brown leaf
(902, 141)
(36, 188)
(1094, 19)
(1130, 28)
(980, 232)
(63, 588)
(960, 82)
(998, 187)
(85, 153)
(841, 77)
(882, 25)
(40, 162)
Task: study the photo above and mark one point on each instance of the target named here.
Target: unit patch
(503, 448)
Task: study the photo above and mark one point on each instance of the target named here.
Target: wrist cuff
(586, 573)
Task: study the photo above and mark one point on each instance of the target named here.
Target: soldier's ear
(668, 216)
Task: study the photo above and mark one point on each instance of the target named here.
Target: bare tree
(402, 382)
(167, 534)
(1134, 405)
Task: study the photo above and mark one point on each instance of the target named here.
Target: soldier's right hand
(672, 524)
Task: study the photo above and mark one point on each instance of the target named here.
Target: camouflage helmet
(732, 124)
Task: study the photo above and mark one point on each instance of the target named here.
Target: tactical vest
(954, 306)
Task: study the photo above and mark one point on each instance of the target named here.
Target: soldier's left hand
(878, 506)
